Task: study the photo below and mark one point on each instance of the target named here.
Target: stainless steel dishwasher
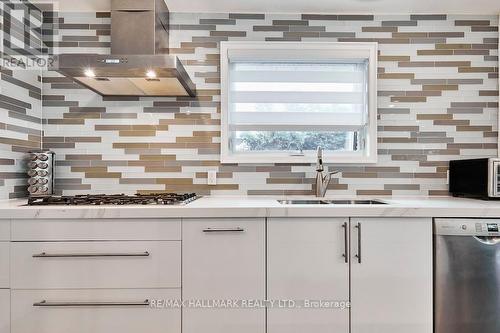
(466, 276)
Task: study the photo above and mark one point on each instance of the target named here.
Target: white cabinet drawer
(220, 261)
(97, 315)
(4, 310)
(223, 259)
(67, 265)
(4, 264)
(4, 230)
(98, 229)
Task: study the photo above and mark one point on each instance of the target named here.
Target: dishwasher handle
(488, 240)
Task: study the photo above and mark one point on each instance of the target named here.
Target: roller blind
(291, 95)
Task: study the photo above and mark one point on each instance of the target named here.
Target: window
(281, 100)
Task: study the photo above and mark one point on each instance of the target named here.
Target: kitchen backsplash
(20, 95)
(438, 100)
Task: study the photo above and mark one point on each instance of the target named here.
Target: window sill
(280, 159)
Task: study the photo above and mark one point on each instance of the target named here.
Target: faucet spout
(322, 179)
(319, 159)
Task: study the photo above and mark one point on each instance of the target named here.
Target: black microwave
(475, 178)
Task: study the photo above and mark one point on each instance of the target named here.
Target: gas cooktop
(115, 199)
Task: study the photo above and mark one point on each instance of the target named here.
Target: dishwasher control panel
(491, 227)
(467, 227)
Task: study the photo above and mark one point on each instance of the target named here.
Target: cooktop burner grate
(115, 199)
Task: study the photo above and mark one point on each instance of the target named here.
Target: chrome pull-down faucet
(322, 179)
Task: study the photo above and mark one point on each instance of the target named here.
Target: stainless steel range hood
(139, 63)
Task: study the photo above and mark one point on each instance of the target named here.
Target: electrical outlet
(212, 177)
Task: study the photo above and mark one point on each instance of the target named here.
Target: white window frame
(349, 50)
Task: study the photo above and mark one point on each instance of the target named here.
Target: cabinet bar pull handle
(89, 255)
(238, 229)
(346, 244)
(44, 303)
(358, 226)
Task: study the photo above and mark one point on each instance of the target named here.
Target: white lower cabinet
(4, 310)
(96, 311)
(4, 254)
(223, 259)
(4, 264)
(96, 229)
(388, 277)
(4, 230)
(83, 283)
(306, 261)
(94, 276)
(391, 275)
(115, 264)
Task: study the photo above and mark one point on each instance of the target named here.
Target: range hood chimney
(139, 63)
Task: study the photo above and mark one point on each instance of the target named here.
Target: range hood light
(151, 74)
(89, 73)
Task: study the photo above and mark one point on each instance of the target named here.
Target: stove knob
(33, 157)
(43, 157)
(32, 189)
(32, 173)
(43, 165)
(32, 181)
(32, 165)
(43, 181)
(43, 173)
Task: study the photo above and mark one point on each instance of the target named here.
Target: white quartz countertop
(228, 206)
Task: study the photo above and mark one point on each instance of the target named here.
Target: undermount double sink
(331, 202)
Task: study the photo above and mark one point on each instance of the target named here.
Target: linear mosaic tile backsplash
(20, 95)
(437, 88)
